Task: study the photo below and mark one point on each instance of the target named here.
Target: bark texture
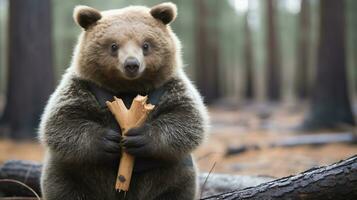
(337, 181)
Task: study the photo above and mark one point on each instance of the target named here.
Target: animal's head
(128, 47)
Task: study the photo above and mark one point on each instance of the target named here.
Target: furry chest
(141, 164)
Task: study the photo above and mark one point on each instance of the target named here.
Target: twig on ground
(204, 183)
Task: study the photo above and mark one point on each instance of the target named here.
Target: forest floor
(252, 128)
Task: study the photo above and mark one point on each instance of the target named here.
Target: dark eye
(114, 47)
(146, 47)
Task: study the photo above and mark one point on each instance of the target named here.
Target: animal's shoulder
(73, 92)
(178, 92)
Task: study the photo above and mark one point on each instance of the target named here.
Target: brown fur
(86, 16)
(165, 12)
(131, 23)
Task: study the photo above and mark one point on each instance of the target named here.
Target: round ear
(86, 16)
(165, 12)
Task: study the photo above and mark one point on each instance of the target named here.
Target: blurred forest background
(272, 73)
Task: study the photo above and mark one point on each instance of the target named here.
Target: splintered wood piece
(127, 119)
(116, 106)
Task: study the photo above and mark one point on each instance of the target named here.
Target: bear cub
(123, 52)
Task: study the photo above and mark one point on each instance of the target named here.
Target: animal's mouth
(131, 75)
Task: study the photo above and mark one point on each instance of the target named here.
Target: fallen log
(29, 173)
(297, 140)
(211, 184)
(316, 139)
(26, 172)
(336, 181)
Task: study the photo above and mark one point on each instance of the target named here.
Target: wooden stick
(128, 119)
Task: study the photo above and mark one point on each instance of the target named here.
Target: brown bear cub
(123, 52)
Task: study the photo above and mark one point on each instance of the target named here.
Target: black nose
(131, 65)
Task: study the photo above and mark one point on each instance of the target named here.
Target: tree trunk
(336, 181)
(301, 70)
(330, 105)
(351, 8)
(249, 59)
(206, 51)
(273, 63)
(30, 73)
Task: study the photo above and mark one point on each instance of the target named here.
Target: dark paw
(138, 142)
(110, 144)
